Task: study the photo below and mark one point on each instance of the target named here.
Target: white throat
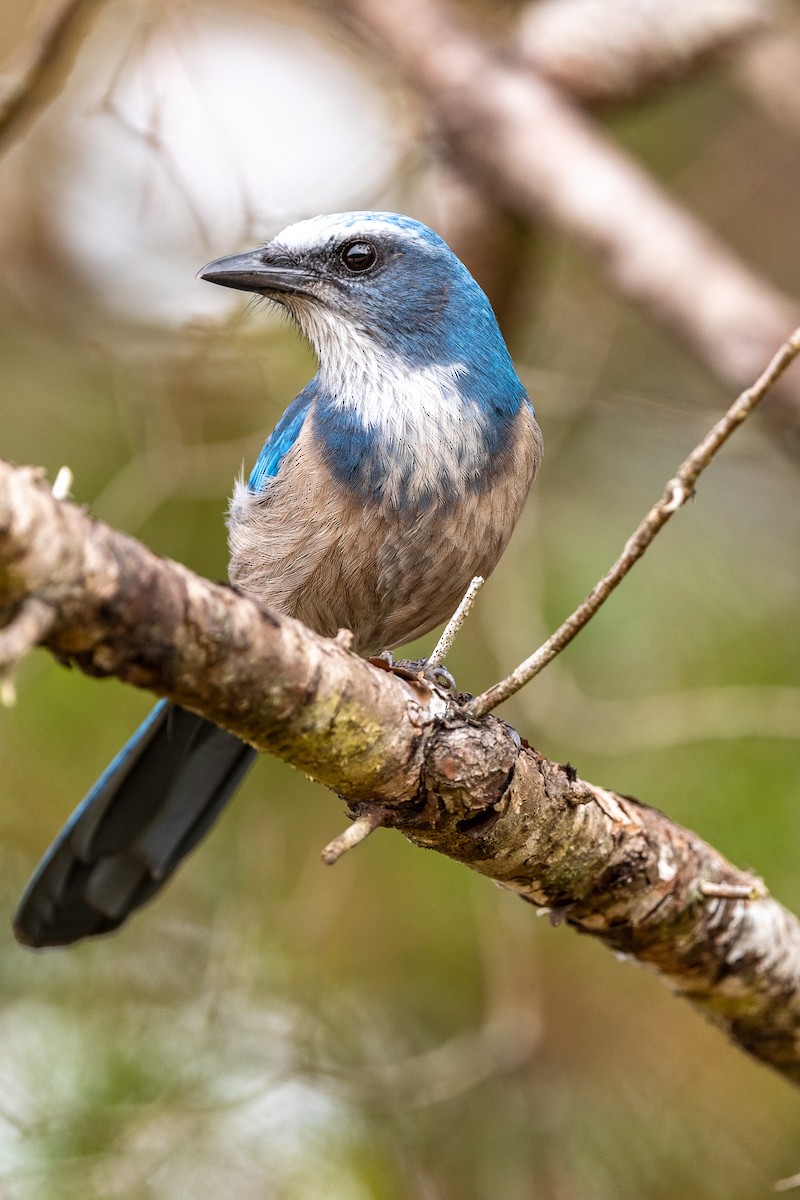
(431, 437)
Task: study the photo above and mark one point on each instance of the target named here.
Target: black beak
(265, 271)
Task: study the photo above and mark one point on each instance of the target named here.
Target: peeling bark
(614, 868)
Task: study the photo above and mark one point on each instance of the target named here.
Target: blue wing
(282, 438)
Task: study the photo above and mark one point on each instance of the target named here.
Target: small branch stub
(62, 484)
(733, 891)
(786, 1185)
(362, 827)
(30, 625)
(33, 621)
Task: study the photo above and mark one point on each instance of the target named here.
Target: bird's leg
(432, 669)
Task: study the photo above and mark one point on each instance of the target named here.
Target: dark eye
(359, 256)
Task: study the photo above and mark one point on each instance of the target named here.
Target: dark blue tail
(148, 809)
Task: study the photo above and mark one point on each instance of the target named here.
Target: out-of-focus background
(394, 1027)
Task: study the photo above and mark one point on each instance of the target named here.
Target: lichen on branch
(471, 789)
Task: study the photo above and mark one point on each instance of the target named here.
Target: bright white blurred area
(240, 1108)
(185, 134)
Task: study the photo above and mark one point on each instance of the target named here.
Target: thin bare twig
(450, 631)
(677, 492)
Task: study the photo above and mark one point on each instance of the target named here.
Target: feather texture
(394, 477)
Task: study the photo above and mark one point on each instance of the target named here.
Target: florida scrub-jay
(394, 477)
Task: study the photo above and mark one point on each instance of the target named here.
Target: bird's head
(364, 284)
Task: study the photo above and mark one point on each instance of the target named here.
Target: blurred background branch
(524, 142)
(273, 1027)
(41, 64)
(621, 50)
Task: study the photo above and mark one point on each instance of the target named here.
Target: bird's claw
(418, 668)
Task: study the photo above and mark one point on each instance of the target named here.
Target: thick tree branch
(122, 610)
(604, 863)
(521, 139)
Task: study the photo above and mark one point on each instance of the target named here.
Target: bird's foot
(437, 674)
(420, 668)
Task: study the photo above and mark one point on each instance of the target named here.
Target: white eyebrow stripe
(318, 231)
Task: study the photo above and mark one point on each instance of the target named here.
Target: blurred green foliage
(396, 1027)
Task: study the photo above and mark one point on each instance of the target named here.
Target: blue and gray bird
(394, 477)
